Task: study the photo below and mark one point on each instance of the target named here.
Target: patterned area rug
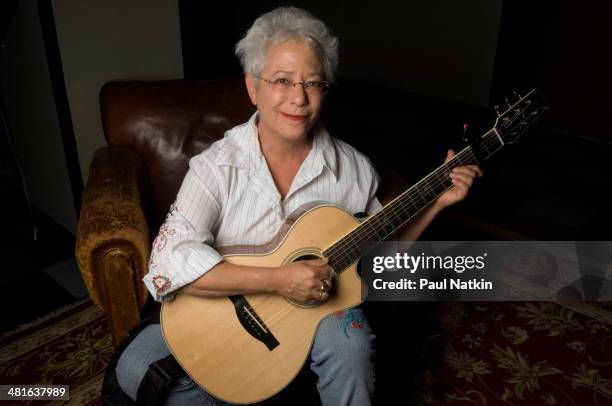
(489, 353)
(70, 346)
(529, 353)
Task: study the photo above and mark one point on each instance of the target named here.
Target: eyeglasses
(284, 85)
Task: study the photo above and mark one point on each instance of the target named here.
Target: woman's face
(287, 115)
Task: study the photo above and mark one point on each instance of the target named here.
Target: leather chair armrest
(113, 241)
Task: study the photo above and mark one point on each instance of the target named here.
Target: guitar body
(213, 347)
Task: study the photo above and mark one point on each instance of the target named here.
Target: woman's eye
(283, 82)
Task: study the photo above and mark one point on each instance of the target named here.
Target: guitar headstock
(519, 115)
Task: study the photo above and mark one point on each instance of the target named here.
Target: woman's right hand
(301, 281)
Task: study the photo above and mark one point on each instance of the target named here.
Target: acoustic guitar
(244, 349)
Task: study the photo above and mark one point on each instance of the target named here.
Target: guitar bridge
(252, 323)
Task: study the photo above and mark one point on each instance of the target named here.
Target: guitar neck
(406, 206)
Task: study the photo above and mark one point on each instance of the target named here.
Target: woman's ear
(249, 80)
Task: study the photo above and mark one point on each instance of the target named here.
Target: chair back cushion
(168, 122)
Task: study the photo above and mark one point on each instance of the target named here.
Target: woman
(240, 190)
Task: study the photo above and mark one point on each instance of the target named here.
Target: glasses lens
(317, 87)
(285, 85)
(282, 84)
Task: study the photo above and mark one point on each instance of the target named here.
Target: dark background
(560, 47)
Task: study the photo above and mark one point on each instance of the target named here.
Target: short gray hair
(280, 25)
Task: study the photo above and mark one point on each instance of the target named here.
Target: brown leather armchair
(152, 128)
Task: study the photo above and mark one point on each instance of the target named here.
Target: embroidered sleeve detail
(162, 237)
(161, 283)
(152, 263)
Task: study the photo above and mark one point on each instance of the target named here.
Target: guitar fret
(420, 194)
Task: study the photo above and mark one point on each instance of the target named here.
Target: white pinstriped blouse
(228, 197)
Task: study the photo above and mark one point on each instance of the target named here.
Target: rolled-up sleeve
(183, 249)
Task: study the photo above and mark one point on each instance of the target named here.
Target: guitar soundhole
(306, 257)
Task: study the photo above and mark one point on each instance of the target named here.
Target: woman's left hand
(463, 177)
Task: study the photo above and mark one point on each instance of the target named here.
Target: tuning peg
(517, 94)
(496, 107)
(508, 101)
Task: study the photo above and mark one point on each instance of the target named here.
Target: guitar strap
(160, 375)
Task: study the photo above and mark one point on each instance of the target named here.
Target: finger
(467, 179)
(472, 169)
(317, 262)
(449, 155)
(321, 271)
(325, 267)
(327, 273)
(322, 262)
(466, 170)
(322, 296)
(318, 294)
(478, 170)
(460, 186)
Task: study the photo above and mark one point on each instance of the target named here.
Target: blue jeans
(342, 356)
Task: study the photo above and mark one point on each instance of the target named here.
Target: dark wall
(209, 31)
(562, 48)
(444, 48)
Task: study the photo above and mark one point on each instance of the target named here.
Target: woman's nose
(298, 94)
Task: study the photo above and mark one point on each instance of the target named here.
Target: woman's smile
(296, 118)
